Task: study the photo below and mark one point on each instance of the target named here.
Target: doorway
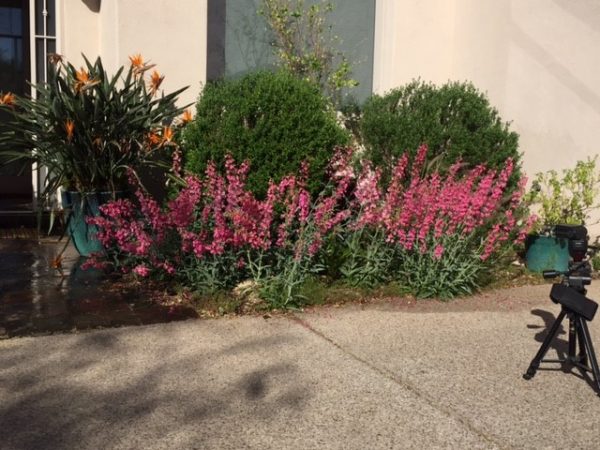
(16, 188)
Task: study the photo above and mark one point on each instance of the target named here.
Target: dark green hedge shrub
(454, 120)
(275, 120)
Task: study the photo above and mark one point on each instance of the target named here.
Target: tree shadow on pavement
(104, 391)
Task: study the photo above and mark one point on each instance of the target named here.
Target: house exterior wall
(79, 30)
(537, 60)
(170, 34)
(412, 40)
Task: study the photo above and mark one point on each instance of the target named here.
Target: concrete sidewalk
(356, 377)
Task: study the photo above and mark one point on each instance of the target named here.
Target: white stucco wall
(412, 40)
(537, 60)
(170, 34)
(79, 30)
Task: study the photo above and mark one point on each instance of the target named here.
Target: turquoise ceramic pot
(547, 253)
(81, 205)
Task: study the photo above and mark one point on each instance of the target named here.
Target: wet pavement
(36, 298)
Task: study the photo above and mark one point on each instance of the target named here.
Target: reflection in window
(12, 69)
(10, 21)
(11, 40)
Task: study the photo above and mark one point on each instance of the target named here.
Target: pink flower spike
(141, 270)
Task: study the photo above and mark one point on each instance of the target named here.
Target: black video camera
(577, 236)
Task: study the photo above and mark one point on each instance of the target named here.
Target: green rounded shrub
(455, 120)
(274, 120)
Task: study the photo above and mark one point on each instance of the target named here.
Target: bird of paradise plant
(88, 129)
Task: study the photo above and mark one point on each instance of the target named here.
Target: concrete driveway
(356, 377)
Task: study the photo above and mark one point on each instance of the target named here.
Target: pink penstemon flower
(216, 214)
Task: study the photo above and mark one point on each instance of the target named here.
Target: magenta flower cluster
(415, 210)
(216, 215)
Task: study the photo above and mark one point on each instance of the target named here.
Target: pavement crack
(404, 383)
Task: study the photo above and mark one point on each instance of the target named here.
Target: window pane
(50, 48)
(40, 60)
(10, 21)
(16, 21)
(5, 20)
(19, 53)
(39, 17)
(51, 19)
(7, 50)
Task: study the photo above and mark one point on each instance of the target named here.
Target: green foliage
(454, 120)
(86, 127)
(305, 45)
(596, 263)
(210, 275)
(281, 277)
(367, 259)
(274, 120)
(566, 199)
(457, 273)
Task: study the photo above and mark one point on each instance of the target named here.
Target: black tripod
(579, 309)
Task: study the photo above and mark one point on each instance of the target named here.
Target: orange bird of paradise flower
(154, 138)
(167, 134)
(69, 128)
(186, 117)
(155, 81)
(7, 99)
(83, 80)
(137, 61)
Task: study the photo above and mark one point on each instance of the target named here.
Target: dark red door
(16, 188)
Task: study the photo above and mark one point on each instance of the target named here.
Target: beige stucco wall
(538, 61)
(170, 34)
(79, 30)
(412, 40)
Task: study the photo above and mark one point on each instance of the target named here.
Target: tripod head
(579, 273)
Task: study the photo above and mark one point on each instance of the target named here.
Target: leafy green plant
(568, 198)
(455, 120)
(282, 286)
(424, 275)
(596, 262)
(88, 128)
(435, 235)
(210, 275)
(367, 259)
(305, 45)
(274, 120)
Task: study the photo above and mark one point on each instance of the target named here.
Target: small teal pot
(81, 205)
(546, 253)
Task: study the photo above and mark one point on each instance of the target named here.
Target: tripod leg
(535, 362)
(573, 333)
(583, 351)
(589, 348)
